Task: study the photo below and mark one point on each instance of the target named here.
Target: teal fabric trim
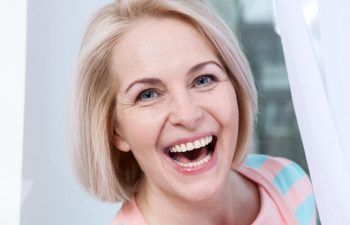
(255, 161)
(287, 176)
(306, 211)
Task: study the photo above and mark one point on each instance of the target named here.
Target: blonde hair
(113, 175)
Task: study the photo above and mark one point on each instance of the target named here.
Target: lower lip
(196, 170)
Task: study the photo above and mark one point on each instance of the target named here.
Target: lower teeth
(195, 164)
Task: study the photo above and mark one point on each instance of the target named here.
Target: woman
(165, 104)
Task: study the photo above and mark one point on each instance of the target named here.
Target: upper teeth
(189, 146)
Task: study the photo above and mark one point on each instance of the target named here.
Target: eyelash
(147, 91)
(139, 97)
(211, 78)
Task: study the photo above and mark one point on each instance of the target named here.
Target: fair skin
(173, 92)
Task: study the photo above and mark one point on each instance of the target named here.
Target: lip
(192, 170)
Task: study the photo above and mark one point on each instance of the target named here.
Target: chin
(203, 190)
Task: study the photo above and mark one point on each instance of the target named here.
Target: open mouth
(193, 154)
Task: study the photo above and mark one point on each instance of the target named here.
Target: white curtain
(316, 42)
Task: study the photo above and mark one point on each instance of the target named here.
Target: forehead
(159, 45)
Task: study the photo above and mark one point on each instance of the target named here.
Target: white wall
(12, 79)
(50, 194)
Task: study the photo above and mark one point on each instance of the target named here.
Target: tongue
(191, 156)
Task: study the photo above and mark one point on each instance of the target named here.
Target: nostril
(189, 116)
(184, 109)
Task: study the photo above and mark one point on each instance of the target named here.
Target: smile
(193, 154)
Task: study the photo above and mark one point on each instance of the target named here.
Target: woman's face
(176, 109)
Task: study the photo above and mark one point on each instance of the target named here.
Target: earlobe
(119, 142)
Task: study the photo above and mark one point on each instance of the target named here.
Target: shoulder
(282, 172)
(286, 182)
(119, 217)
(129, 214)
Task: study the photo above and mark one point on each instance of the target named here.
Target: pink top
(268, 211)
(285, 193)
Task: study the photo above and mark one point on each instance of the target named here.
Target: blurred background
(50, 195)
(253, 22)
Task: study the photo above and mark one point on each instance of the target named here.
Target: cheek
(231, 112)
(224, 105)
(140, 128)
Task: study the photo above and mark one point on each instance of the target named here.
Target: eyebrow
(152, 81)
(155, 81)
(200, 66)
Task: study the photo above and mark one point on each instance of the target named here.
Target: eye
(147, 95)
(204, 80)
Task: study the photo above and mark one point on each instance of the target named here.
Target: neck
(235, 196)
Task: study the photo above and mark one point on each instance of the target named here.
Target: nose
(185, 111)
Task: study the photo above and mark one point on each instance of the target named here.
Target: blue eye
(204, 80)
(147, 95)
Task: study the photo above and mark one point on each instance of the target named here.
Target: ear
(119, 141)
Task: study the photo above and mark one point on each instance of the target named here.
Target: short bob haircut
(104, 171)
